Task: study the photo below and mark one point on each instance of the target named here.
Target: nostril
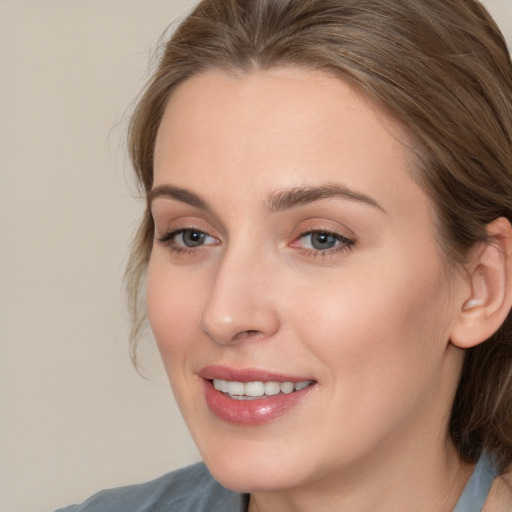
(251, 333)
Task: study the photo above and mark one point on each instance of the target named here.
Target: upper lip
(246, 375)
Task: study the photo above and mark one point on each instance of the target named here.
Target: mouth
(258, 389)
(251, 396)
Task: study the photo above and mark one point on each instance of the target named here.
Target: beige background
(75, 417)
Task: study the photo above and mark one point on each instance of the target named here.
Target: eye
(188, 238)
(322, 241)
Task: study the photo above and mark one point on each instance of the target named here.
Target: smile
(257, 389)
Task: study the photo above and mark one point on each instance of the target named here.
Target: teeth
(272, 388)
(254, 388)
(236, 388)
(224, 386)
(302, 385)
(248, 390)
(287, 387)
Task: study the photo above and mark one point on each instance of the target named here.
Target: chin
(258, 464)
(247, 477)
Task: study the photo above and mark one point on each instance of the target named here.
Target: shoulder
(191, 488)
(500, 495)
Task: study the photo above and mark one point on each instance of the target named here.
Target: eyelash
(345, 244)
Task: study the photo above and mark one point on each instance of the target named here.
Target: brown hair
(442, 69)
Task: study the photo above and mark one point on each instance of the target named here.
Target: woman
(327, 256)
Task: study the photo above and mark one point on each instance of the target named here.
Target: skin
(369, 321)
(500, 494)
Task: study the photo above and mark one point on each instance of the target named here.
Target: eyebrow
(178, 194)
(278, 201)
(303, 195)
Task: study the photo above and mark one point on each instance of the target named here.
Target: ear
(490, 297)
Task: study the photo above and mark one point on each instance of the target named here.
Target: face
(296, 288)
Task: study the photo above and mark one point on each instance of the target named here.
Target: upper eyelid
(322, 225)
(176, 231)
(166, 223)
(169, 219)
(159, 210)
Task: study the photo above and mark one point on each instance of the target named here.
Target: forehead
(269, 105)
(279, 128)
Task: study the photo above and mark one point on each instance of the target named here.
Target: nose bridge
(239, 304)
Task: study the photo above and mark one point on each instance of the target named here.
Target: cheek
(173, 307)
(381, 345)
(388, 320)
(173, 310)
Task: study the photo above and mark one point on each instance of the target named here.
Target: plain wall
(75, 417)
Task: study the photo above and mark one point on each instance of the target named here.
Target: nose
(241, 304)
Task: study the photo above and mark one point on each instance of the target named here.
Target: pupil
(193, 238)
(322, 240)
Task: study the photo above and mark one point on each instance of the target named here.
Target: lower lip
(251, 412)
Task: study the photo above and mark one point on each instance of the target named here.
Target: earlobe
(490, 300)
